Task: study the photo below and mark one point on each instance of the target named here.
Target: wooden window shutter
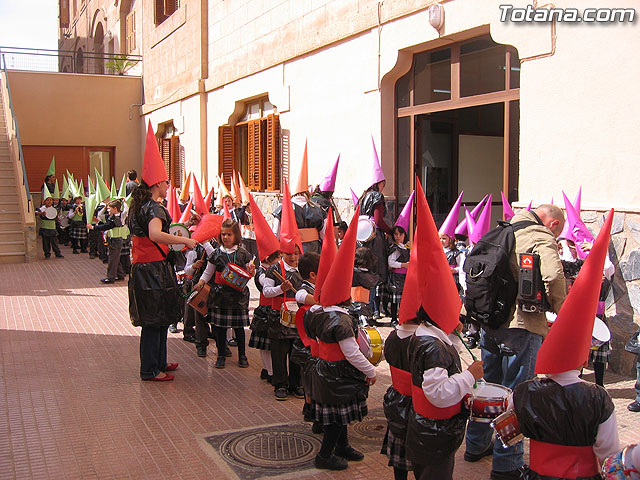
(170, 6)
(255, 152)
(160, 16)
(130, 25)
(226, 153)
(165, 151)
(175, 175)
(272, 157)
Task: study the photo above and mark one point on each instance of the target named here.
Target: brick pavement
(73, 406)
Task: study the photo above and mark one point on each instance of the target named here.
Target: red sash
(265, 301)
(399, 270)
(425, 408)
(143, 250)
(330, 352)
(301, 331)
(401, 380)
(315, 348)
(562, 461)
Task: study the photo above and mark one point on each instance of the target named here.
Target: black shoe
(517, 474)
(297, 392)
(270, 379)
(317, 428)
(76, 252)
(90, 256)
(264, 374)
(47, 255)
(280, 394)
(243, 362)
(59, 255)
(227, 353)
(331, 463)
(109, 280)
(220, 362)
(211, 335)
(201, 351)
(634, 407)
(119, 279)
(173, 328)
(394, 324)
(474, 457)
(189, 338)
(349, 453)
(232, 342)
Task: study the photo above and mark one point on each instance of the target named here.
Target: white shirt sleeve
(607, 440)
(609, 268)
(269, 290)
(190, 259)
(301, 296)
(276, 226)
(354, 356)
(393, 263)
(208, 272)
(443, 390)
(208, 248)
(462, 276)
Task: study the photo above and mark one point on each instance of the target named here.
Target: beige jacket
(538, 239)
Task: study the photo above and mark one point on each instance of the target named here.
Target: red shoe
(166, 378)
(171, 367)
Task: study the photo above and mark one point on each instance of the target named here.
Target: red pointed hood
(225, 211)
(566, 346)
(302, 182)
(410, 302)
(207, 199)
(186, 214)
(153, 170)
(328, 254)
(209, 227)
(289, 235)
(336, 287)
(265, 238)
(198, 202)
(438, 292)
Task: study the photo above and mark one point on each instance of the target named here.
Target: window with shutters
(252, 147)
(164, 9)
(131, 32)
(173, 157)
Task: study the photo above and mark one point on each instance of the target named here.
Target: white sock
(266, 361)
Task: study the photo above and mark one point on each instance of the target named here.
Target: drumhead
(364, 343)
(491, 390)
(179, 230)
(600, 331)
(50, 213)
(239, 270)
(366, 229)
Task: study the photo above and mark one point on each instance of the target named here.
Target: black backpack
(491, 287)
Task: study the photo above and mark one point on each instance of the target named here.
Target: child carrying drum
(229, 297)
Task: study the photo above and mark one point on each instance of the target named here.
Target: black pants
(94, 237)
(153, 351)
(280, 350)
(437, 471)
(334, 436)
(79, 243)
(125, 261)
(50, 242)
(221, 340)
(114, 268)
(193, 318)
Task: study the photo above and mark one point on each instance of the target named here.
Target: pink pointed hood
(461, 229)
(483, 225)
(449, 224)
(529, 206)
(405, 215)
(328, 183)
(566, 233)
(354, 197)
(377, 174)
(507, 211)
(577, 202)
(471, 224)
(578, 229)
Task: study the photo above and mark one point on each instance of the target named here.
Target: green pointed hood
(90, 204)
(114, 190)
(123, 186)
(47, 194)
(52, 167)
(56, 191)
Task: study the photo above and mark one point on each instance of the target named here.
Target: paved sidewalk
(73, 407)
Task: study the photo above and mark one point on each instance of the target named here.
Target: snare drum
(600, 335)
(507, 429)
(198, 299)
(179, 230)
(235, 276)
(489, 400)
(371, 344)
(50, 213)
(288, 312)
(366, 229)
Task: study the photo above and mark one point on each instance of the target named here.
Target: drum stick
(475, 384)
(278, 276)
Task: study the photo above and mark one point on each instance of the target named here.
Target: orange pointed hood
(327, 255)
(289, 235)
(265, 238)
(184, 194)
(438, 293)
(336, 287)
(235, 189)
(153, 170)
(302, 182)
(566, 346)
(244, 191)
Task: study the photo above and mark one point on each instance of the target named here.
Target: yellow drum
(371, 344)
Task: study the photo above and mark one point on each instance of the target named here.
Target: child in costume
(48, 227)
(118, 232)
(78, 227)
(398, 263)
(341, 373)
(228, 306)
(571, 423)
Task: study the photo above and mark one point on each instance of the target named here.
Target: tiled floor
(72, 404)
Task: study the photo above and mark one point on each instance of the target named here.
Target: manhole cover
(267, 451)
(276, 449)
(371, 428)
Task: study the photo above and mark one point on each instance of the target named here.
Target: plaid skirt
(229, 317)
(602, 354)
(339, 414)
(78, 230)
(393, 448)
(259, 341)
(126, 247)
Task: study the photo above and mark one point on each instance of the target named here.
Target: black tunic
(336, 382)
(395, 282)
(378, 244)
(430, 440)
(153, 289)
(308, 216)
(569, 415)
(397, 407)
(222, 295)
(276, 329)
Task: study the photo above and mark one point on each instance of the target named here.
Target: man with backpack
(509, 350)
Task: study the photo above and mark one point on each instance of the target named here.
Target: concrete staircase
(13, 218)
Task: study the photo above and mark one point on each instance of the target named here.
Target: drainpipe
(204, 74)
